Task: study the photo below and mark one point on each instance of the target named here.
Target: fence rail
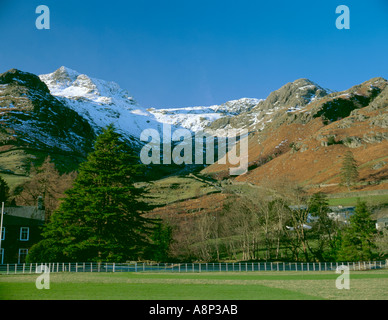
(188, 267)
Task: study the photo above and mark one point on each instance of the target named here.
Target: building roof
(29, 212)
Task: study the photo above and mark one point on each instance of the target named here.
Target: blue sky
(188, 53)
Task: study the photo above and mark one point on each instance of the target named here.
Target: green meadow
(284, 285)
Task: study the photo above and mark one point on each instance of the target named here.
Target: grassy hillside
(176, 188)
(15, 163)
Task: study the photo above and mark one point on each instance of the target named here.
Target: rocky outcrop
(280, 106)
(31, 117)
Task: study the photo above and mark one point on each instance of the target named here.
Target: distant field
(174, 189)
(13, 180)
(352, 201)
(197, 286)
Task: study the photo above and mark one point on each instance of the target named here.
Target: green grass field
(364, 285)
(371, 200)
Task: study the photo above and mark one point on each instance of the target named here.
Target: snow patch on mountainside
(198, 118)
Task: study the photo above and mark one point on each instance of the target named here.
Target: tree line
(269, 226)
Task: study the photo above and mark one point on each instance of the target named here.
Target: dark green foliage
(4, 191)
(100, 218)
(161, 239)
(324, 229)
(46, 250)
(336, 109)
(358, 237)
(318, 205)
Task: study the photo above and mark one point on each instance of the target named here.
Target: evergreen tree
(161, 239)
(101, 217)
(349, 170)
(323, 230)
(358, 239)
(4, 191)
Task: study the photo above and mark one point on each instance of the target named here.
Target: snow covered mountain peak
(100, 102)
(68, 83)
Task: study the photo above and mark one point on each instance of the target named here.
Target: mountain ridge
(307, 146)
(65, 110)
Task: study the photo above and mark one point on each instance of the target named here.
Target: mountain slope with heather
(303, 147)
(307, 145)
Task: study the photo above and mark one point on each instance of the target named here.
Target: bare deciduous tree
(45, 182)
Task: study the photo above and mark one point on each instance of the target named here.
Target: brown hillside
(307, 146)
(191, 208)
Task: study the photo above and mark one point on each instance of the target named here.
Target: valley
(297, 136)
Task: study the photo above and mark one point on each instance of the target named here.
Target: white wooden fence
(189, 267)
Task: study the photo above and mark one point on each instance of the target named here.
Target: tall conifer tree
(358, 238)
(100, 219)
(4, 191)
